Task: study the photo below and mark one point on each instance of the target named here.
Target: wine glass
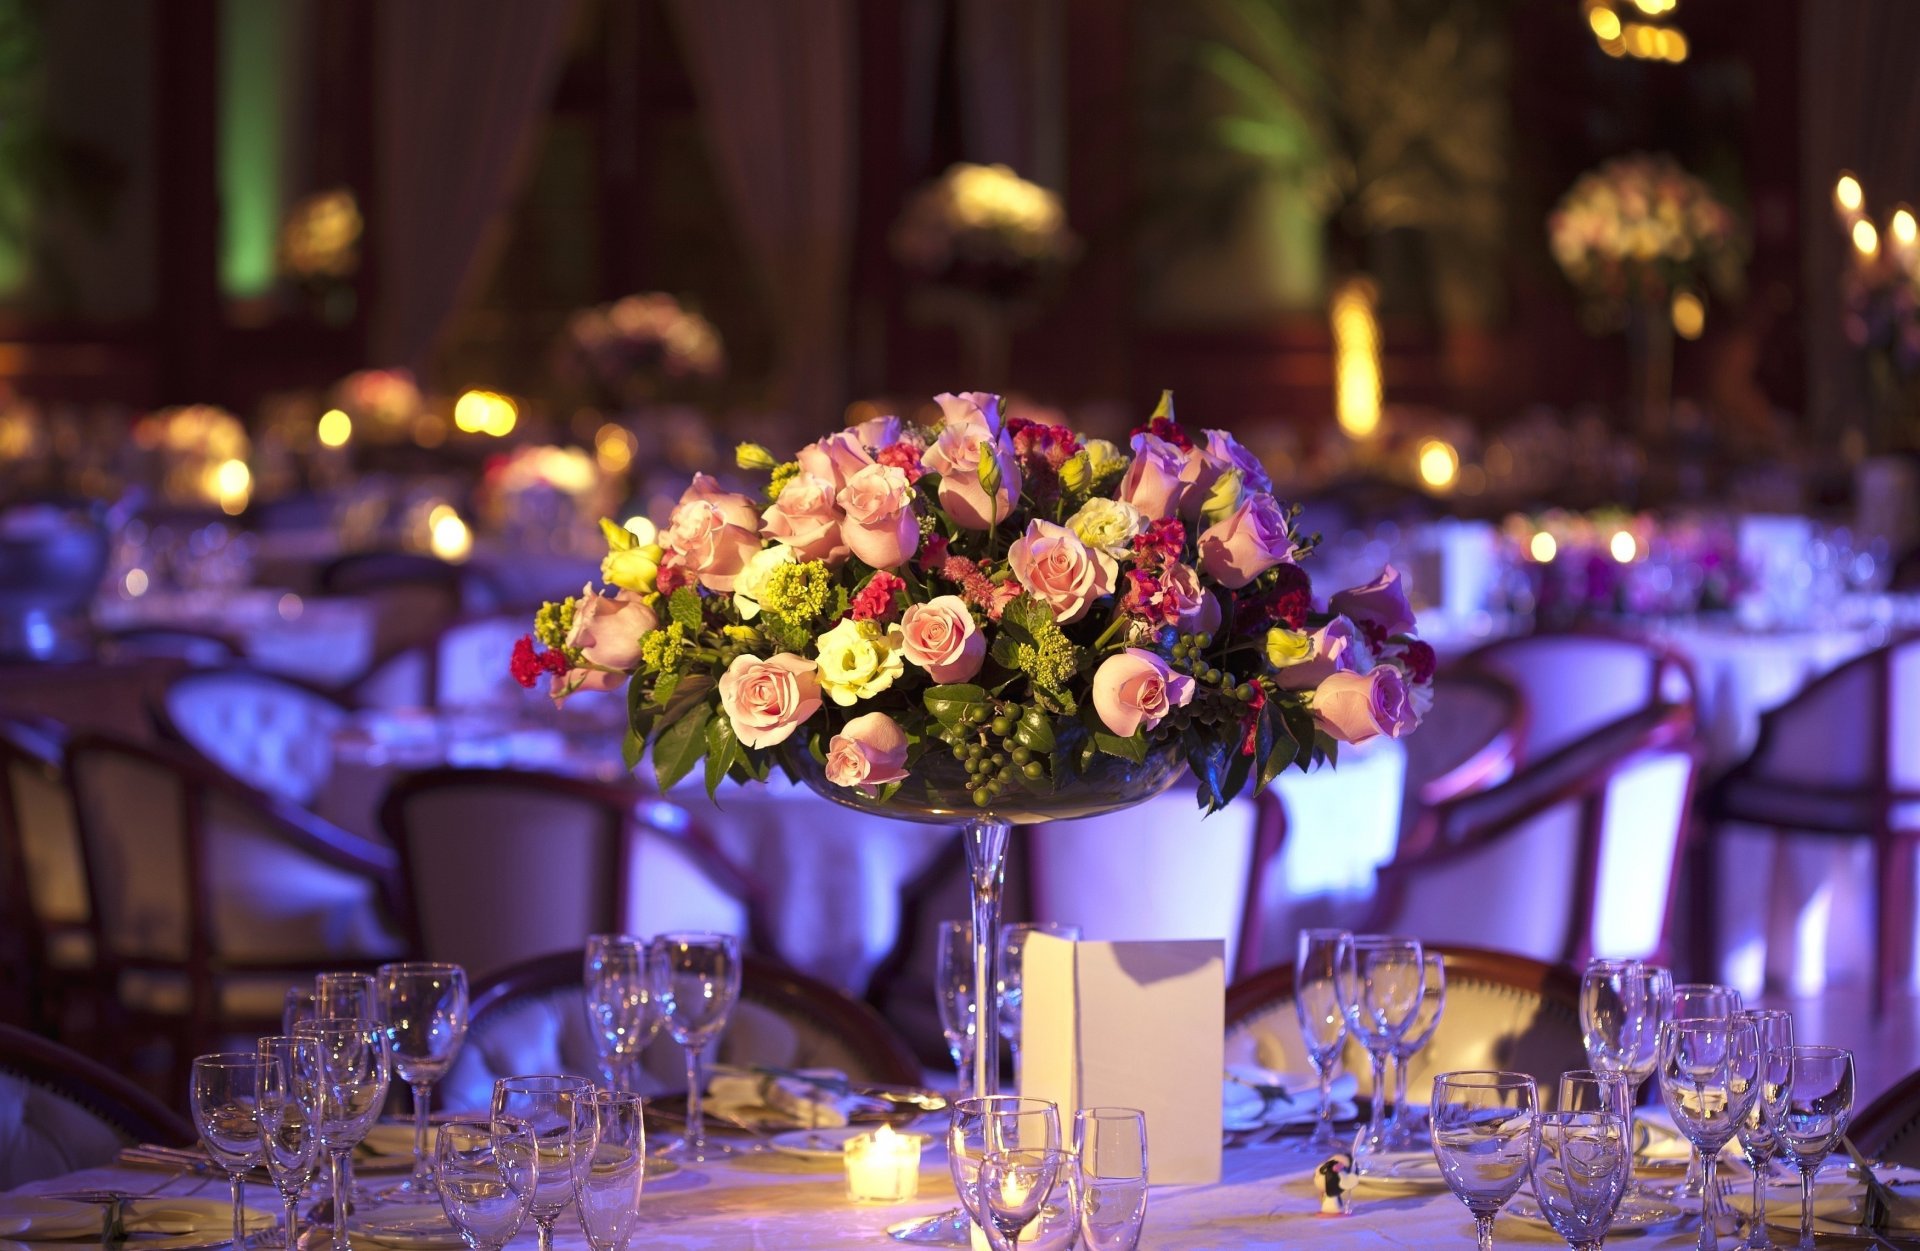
(353, 1085)
(1580, 1173)
(559, 1112)
(1433, 1001)
(1485, 1127)
(622, 978)
(953, 978)
(608, 1190)
(1701, 1001)
(1013, 951)
(1811, 1104)
(1379, 981)
(226, 1110)
(1590, 1090)
(1622, 1003)
(486, 1172)
(1323, 1026)
(299, 1007)
(700, 979)
(990, 1123)
(345, 995)
(1757, 1142)
(1709, 1074)
(1110, 1163)
(425, 1008)
(289, 1122)
(1014, 1186)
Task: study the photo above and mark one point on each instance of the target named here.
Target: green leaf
(1239, 766)
(632, 747)
(1280, 749)
(887, 792)
(1035, 731)
(1133, 747)
(664, 688)
(1027, 615)
(684, 606)
(948, 703)
(692, 689)
(680, 746)
(641, 710)
(723, 752)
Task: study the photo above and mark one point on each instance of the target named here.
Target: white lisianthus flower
(1108, 526)
(1103, 458)
(858, 660)
(752, 582)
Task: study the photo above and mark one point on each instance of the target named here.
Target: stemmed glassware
(953, 979)
(1774, 1030)
(1701, 1001)
(298, 1007)
(289, 1122)
(425, 1008)
(1622, 1003)
(345, 995)
(1580, 1173)
(1110, 1174)
(1486, 1130)
(1433, 1001)
(1028, 1198)
(1379, 980)
(700, 980)
(486, 1172)
(608, 1191)
(1323, 1025)
(981, 1126)
(353, 1069)
(560, 1114)
(1811, 1104)
(1589, 1090)
(624, 1002)
(225, 1098)
(1013, 952)
(1709, 1074)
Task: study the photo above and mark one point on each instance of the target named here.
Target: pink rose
(1153, 482)
(1250, 540)
(1206, 618)
(980, 409)
(1060, 570)
(1135, 688)
(1354, 707)
(766, 700)
(607, 628)
(807, 519)
(878, 433)
(941, 638)
(1224, 452)
(871, 751)
(880, 528)
(835, 458)
(1337, 648)
(1380, 604)
(1182, 586)
(955, 456)
(712, 533)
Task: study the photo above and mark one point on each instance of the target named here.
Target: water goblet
(622, 981)
(1379, 981)
(1485, 1127)
(486, 1172)
(344, 995)
(289, 1124)
(1811, 1104)
(1003, 1123)
(1774, 1030)
(1699, 1001)
(1709, 1074)
(1622, 1003)
(559, 1112)
(1580, 1173)
(953, 985)
(425, 1008)
(225, 1099)
(608, 1191)
(700, 979)
(1014, 1189)
(1590, 1090)
(1323, 1025)
(1110, 1175)
(1433, 1001)
(353, 1079)
(1013, 951)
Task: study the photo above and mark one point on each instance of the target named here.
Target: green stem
(1106, 635)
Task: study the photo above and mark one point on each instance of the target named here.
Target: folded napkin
(1252, 1097)
(394, 1138)
(753, 1098)
(1837, 1203)
(30, 1218)
(1657, 1139)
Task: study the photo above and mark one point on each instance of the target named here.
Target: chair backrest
(193, 647)
(1575, 683)
(465, 667)
(1468, 741)
(1889, 1127)
(413, 596)
(60, 1111)
(271, 732)
(1854, 729)
(532, 1018)
(36, 817)
(1502, 1011)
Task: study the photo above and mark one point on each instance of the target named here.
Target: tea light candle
(883, 1167)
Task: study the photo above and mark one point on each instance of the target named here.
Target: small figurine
(1330, 1180)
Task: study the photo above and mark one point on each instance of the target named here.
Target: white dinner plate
(817, 1144)
(1404, 1170)
(1638, 1212)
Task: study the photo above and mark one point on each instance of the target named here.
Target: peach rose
(1206, 618)
(878, 433)
(1354, 707)
(606, 629)
(1061, 571)
(1135, 688)
(880, 528)
(766, 700)
(1250, 540)
(870, 751)
(712, 533)
(1153, 483)
(973, 431)
(941, 638)
(835, 458)
(1336, 648)
(807, 519)
(1381, 603)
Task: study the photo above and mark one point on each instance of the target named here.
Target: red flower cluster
(933, 552)
(875, 601)
(1145, 596)
(673, 576)
(1163, 541)
(977, 588)
(1252, 732)
(905, 457)
(1284, 603)
(1420, 661)
(1037, 442)
(528, 665)
(1167, 430)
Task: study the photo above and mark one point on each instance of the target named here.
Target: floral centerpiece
(1564, 567)
(628, 351)
(1639, 228)
(983, 612)
(985, 229)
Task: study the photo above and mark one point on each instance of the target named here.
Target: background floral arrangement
(1639, 228)
(1569, 566)
(628, 350)
(994, 590)
(984, 229)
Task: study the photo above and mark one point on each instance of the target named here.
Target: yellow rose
(1288, 647)
(633, 568)
(858, 660)
(1077, 474)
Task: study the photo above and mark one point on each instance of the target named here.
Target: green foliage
(683, 607)
(1032, 642)
(952, 704)
(553, 622)
(680, 746)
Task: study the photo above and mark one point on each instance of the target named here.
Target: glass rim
(1384, 940)
(228, 1059)
(419, 966)
(988, 1103)
(339, 976)
(340, 1025)
(1486, 1079)
(1103, 1112)
(1325, 931)
(543, 1083)
(1811, 1051)
(1589, 1075)
(260, 1044)
(684, 937)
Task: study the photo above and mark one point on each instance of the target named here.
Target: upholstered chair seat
(271, 732)
(60, 1111)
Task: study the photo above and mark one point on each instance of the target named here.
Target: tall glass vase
(985, 839)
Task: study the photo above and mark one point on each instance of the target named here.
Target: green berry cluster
(985, 740)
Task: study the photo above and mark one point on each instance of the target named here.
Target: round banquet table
(328, 641)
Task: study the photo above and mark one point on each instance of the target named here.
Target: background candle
(883, 1167)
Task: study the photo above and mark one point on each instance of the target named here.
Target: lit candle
(1849, 199)
(883, 1167)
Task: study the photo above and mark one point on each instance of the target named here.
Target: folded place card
(1131, 1024)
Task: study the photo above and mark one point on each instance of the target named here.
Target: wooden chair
(1842, 760)
(1576, 682)
(1502, 1011)
(1469, 742)
(48, 921)
(65, 1112)
(464, 666)
(273, 732)
(1889, 1127)
(198, 648)
(532, 1018)
(413, 596)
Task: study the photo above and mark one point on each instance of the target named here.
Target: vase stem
(985, 839)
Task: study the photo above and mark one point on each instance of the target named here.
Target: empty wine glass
(1701, 1001)
(1589, 1090)
(700, 979)
(1486, 1128)
(1811, 1105)
(298, 1007)
(1323, 1026)
(486, 1172)
(1013, 952)
(1110, 1161)
(1014, 1187)
(953, 984)
(289, 1123)
(622, 979)
(354, 1076)
(345, 995)
(225, 1098)
(559, 1112)
(1709, 1071)
(425, 1008)
(989, 1123)
(1622, 1003)
(1433, 1001)
(1379, 980)
(1580, 1173)
(1774, 1030)
(608, 1190)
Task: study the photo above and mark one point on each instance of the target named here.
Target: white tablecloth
(327, 641)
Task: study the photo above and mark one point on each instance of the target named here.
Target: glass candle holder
(884, 1166)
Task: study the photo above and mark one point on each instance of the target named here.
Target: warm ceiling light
(1905, 229)
(1439, 464)
(1356, 359)
(449, 536)
(1689, 315)
(1623, 547)
(335, 428)
(1847, 193)
(1542, 547)
(1605, 23)
(1866, 240)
